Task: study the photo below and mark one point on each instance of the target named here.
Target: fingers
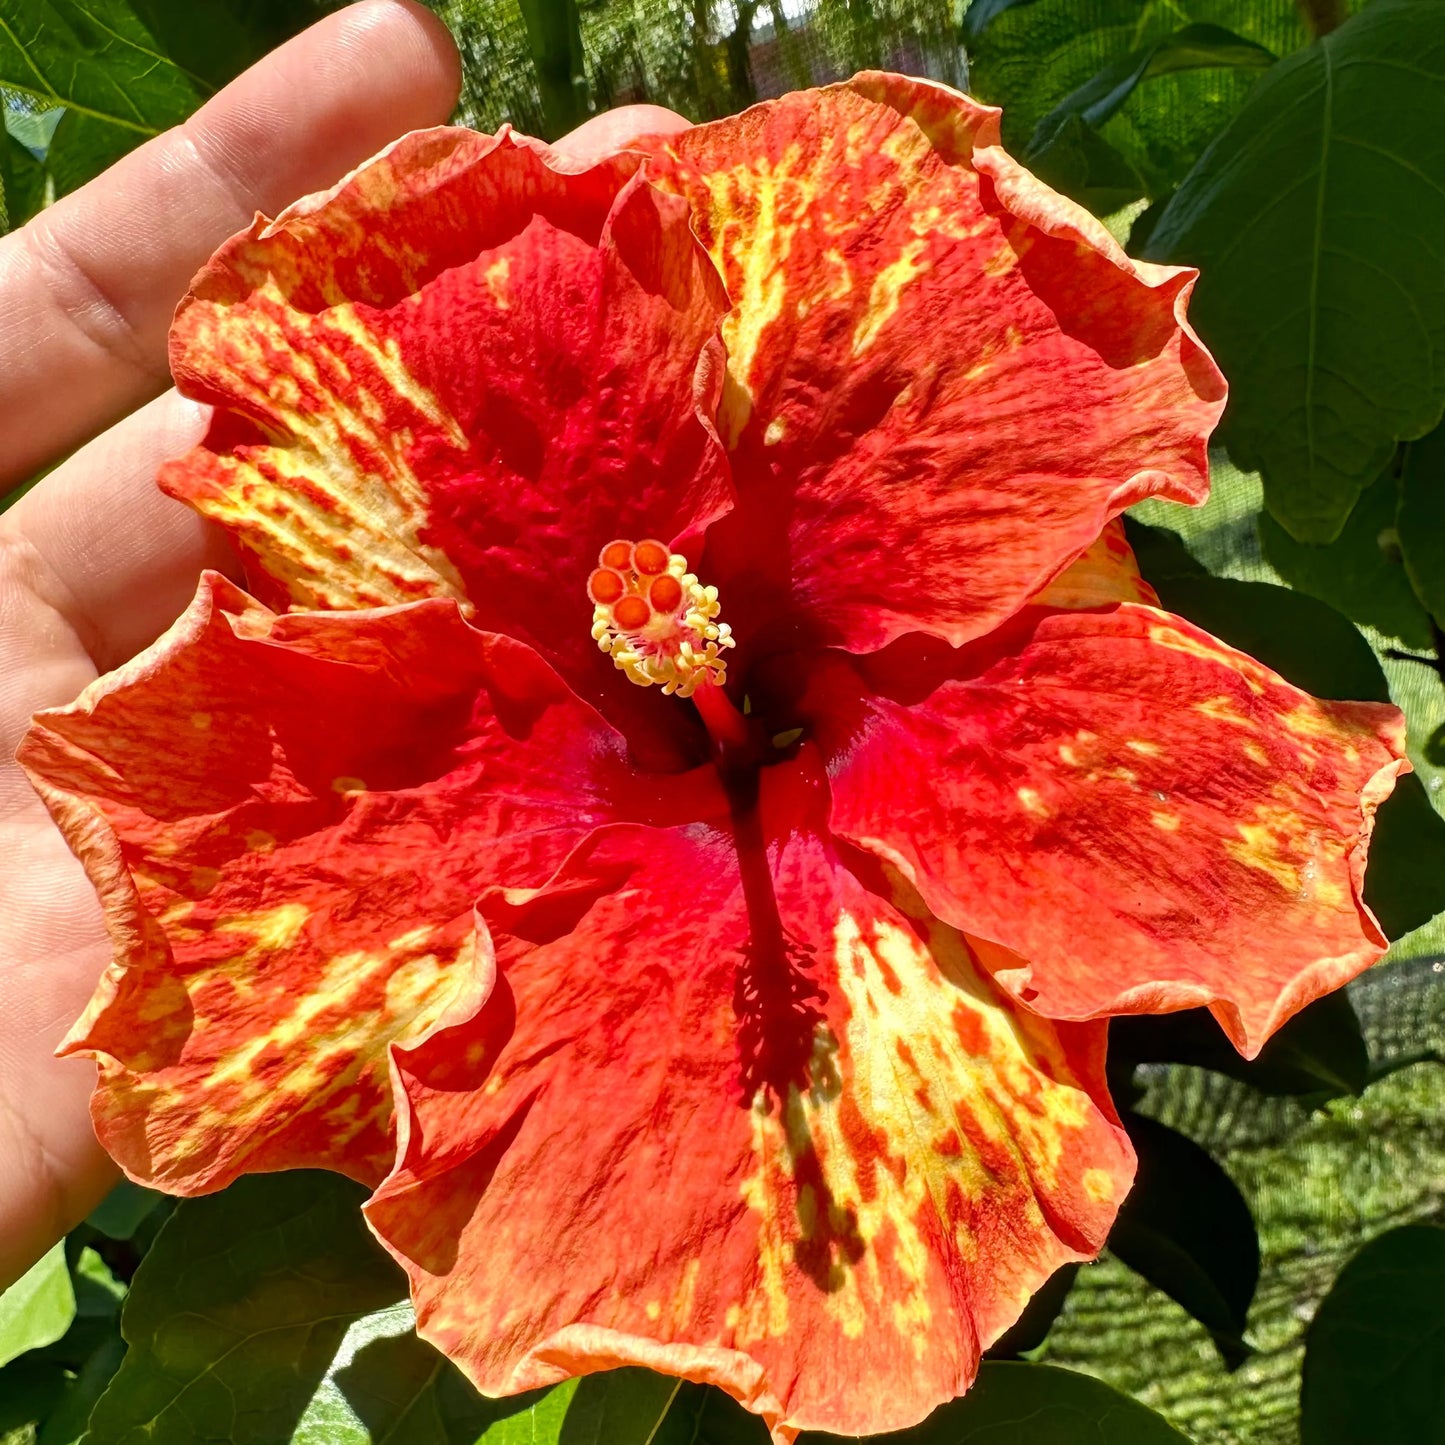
(119, 558)
(614, 129)
(87, 288)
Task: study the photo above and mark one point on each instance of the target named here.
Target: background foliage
(1275, 1277)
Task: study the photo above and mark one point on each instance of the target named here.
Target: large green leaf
(1300, 637)
(387, 1387)
(1375, 1355)
(1017, 1404)
(96, 58)
(1405, 881)
(1421, 524)
(1319, 1053)
(120, 1213)
(38, 1308)
(1360, 572)
(1316, 220)
(1186, 1229)
(237, 1311)
(1028, 1333)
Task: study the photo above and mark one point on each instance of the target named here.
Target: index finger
(88, 287)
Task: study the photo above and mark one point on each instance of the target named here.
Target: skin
(94, 561)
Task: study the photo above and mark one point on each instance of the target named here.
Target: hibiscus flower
(696, 767)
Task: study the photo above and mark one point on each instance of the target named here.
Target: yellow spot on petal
(1309, 722)
(1222, 709)
(201, 721)
(653, 1308)
(775, 432)
(1256, 754)
(270, 931)
(414, 938)
(1032, 803)
(1165, 822)
(496, 278)
(1143, 748)
(1098, 1185)
(260, 841)
(345, 785)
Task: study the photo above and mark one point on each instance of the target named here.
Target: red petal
(597, 1169)
(943, 377)
(459, 373)
(289, 821)
(1146, 818)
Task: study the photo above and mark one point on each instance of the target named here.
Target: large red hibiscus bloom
(747, 1023)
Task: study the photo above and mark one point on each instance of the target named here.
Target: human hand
(95, 561)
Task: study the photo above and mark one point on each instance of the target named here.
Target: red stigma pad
(650, 557)
(665, 594)
(632, 613)
(605, 586)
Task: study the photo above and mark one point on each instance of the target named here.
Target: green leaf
(1319, 1053)
(97, 59)
(1301, 638)
(37, 1309)
(1405, 880)
(22, 183)
(1192, 47)
(1316, 220)
(702, 1415)
(386, 1385)
(1016, 1404)
(1421, 525)
(29, 1391)
(1029, 1332)
(1076, 160)
(120, 1213)
(1360, 572)
(238, 1309)
(1374, 1366)
(620, 1407)
(66, 1424)
(1186, 1229)
(1035, 59)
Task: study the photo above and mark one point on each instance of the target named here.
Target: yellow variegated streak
(1107, 572)
(756, 212)
(329, 1045)
(973, 1120)
(886, 291)
(334, 484)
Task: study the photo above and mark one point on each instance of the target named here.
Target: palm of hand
(95, 562)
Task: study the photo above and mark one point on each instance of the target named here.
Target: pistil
(656, 620)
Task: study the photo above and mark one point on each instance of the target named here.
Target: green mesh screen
(700, 57)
